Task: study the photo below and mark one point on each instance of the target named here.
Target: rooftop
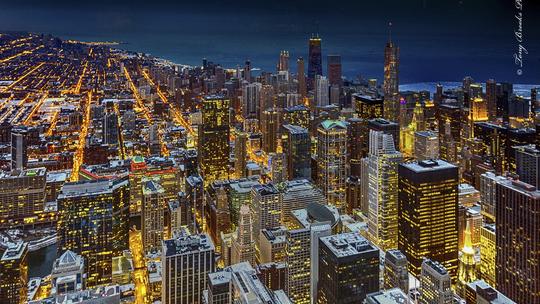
(428, 165)
(347, 244)
(14, 251)
(184, 244)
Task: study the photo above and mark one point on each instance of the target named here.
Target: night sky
(440, 40)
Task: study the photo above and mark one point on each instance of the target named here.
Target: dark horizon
(438, 40)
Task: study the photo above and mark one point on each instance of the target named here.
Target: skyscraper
(14, 274)
(396, 274)
(517, 235)
(110, 128)
(331, 160)
(283, 64)
(357, 144)
(270, 128)
(297, 149)
(334, 70)
(93, 222)
(321, 91)
(528, 164)
(467, 264)
(240, 154)
(213, 139)
(491, 96)
(186, 261)
(251, 94)
(435, 284)
(391, 82)
(488, 250)
(315, 58)
(302, 89)
(428, 213)
(426, 145)
(152, 219)
(297, 194)
(383, 161)
(22, 196)
(266, 207)
(348, 269)
(243, 247)
(302, 249)
(388, 127)
(19, 146)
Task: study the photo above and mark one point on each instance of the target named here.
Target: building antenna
(390, 31)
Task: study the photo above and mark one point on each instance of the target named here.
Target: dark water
(40, 262)
(440, 40)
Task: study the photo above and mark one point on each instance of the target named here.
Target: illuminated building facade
(152, 219)
(297, 149)
(528, 164)
(243, 246)
(467, 263)
(488, 252)
(331, 160)
(266, 206)
(270, 128)
(383, 161)
(19, 148)
(161, 170)
(396, 274)
(517, 235)
(22, 196)
(428, 213)
(88, 206)
(387, 127)
(67, 274)
(357, 144)
(346, 262)
(315, 58)
(272, 245)
(213, 146)
(296, 195)
(435, 284)
(367, 107)
(239, 194)
(499, 142)
(391, 82)
(302, 249)
(14, 274)
(186, 261)
(321, 91)
(298, 115)
(449, 121)
(426, 145)
(240, 154)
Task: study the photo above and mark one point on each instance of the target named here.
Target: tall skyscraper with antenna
(391, 81)
(315, 58)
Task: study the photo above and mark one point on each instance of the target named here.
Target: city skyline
(266, 173)
(185, 32)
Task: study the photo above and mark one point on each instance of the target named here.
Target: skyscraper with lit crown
(315, 58)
